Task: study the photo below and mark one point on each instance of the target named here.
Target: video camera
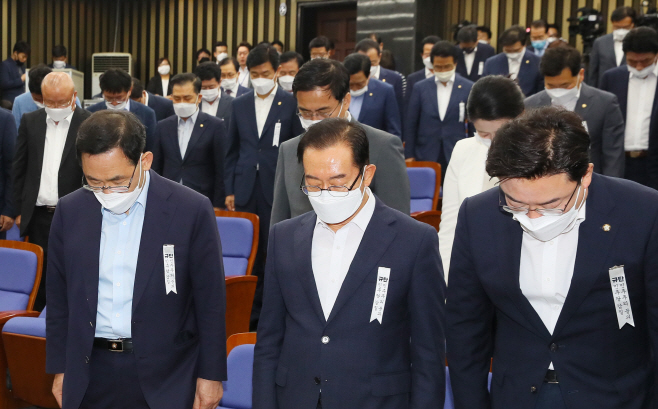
(589, 24)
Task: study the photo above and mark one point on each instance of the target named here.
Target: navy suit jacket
(241, 91)
(8, 135)
(225, 108)
(529, 78)
(155, 86)
(145, 114)
(412, 79)
(177, 336)
(363, 364)
(426, 136)
(11, 84)
(380, 108)
(248, 154)
(599, 365)
(202, 168)
(162, 107)
(483, 52)
(601, 59)
(616, 82)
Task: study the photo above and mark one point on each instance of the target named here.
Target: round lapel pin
(606, 227)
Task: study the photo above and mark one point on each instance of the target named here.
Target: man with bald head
(45, 164)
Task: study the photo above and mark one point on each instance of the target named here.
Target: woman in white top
(159, 83)
(493, 101)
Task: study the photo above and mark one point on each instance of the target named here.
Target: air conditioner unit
(101, 62)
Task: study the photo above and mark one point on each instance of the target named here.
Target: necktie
(229, 92)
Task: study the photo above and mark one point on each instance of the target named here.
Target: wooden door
(339, 24)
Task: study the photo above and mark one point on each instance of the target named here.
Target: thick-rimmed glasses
(320, 115)
(112, 189)
(525, 210)
(335, 191)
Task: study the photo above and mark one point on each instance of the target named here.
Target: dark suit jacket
(241, 91)
(483, 52)
(412, 79)
(247, 152)
(599, 365)
(225, 108)
(155, 85)
(616, 82)
(380, 108)
(28, 162)
(529, 78)
(177, 336)
(426, 136)
(7, 142)
(601, 59)
(145, 114)
(364, 364)
(162, 107)
(605, 124)
(398, 82)
(11, 85)
(202, 168)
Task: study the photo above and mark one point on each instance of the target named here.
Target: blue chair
(425, 185)
(14, 234)
(237, 389)
(238, 232)
(20, 274)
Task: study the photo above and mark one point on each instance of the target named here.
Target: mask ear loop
(142, 181)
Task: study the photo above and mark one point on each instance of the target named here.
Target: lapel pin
(279, 102)
(606, 227)
(384, 80)
(585, 106)
(201, 125)
(527, 61)
(371, 94)
(459, 86)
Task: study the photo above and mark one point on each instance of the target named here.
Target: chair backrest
(424, 184)
(240, 292)
(237, 389)
(14, 234)
(431, 217)
(238, 232)
(239, 339)
(20, 274)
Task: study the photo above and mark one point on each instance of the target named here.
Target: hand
(410, 160)
(217, 209)
(23, 77)
(57, 388)
(6, 223)
(18, 221)
(208, 394)
(230, 203)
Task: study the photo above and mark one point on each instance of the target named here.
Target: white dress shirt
(146, 99)
(263, 106)
(185, 129)
(52, 158)
(332, 253)
(469, 59)
(641, 93)
(619, 52)
(211, 108)
(428, 73)
(514, 65)
(443, 93)
(374, 72)
(165, 87)
(243, 76)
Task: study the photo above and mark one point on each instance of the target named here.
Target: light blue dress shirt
(356, 104)
(120, 238)
(185, 129)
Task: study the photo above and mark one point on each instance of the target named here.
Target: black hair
(108, 129)
(182, 79)
(495, 97)
(468, 34)
(230, 60)
(22, 47)
(485, 29)
(277, 42)
(555, 26)
(512, 36)
(244, 44)
(291, 55)
(264, 42)
(221, 44)
(641, 40)
(201, 51)
(539, 24)
(59, 51)
(387, 60)
(321, 41)
(621, 13)
(160, 61)
(204, 59)
(366, 45)
(445, 49)
(429, 40)
(207, 71)
(355, 63)
(36, 76)
(138, 89)
(324, 74)
(332, 131)
(115, 80)
(544, 142)
(261, 54)
(375, 37)
(556, 59)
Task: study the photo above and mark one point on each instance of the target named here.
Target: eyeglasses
(335, 191)
(118, 100)
(112, 189)
(57, 105)
(320, 115)
(525, 210)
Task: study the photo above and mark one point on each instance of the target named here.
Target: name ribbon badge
(169, 268)
(383, 276)
(620, 295)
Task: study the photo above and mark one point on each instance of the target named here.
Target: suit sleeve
(651, 289)
(594, 63)
(219, 137)
(8, 142)
(271, 332)
(449, 210)
(17, 111)
(392, 115)
(391, 179)
(150, 123)
(156, 149)
(487, 67)
(426, 312)
(209, 294)
(19, 167)
(411, 122)
(613, 155)
(232, 154)
(469, 329)
(604, 84)
(8, 79)
(280, 203)
(170, 111)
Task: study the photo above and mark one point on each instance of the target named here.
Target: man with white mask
(428, 68)
(553, 275)
(214, 100)
(133, 256)
(354, 292)
(602, 118)
(607, 51)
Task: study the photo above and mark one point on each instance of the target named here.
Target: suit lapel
(42, 128)
(92, 218)
(583, 104)
(251, 113)
(303, 249)
(196, 133)
(71, 135)
(274, 113)
(367, 100)
(433, 93)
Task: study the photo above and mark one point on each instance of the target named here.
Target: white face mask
(619, 34)
(221, 56)
(59, 64)
(546, 228)
(39, 104)
(428, 63)
(262, 85)
(286, 82)
(185, 109)
(164, 69)
(444, 76)
(515, 56)
(562, 96)
(229, 83)
(332, 210)
(484, 141)
(120, 106)
(58, 114)
(359, 92)
(119, 203)
(209, 95)
(644, 72)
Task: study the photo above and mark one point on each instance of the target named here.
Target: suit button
(533, 389)
(90, 323)
(317, 380)
(86, 359)
(554, 347)
(325, 340)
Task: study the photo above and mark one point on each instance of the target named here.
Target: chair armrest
(7, 315)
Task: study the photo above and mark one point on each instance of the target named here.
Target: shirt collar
(362, 219)
(67, 119)
(375, 72)
(127, 108)
(191, 118)
(428, 73)
(146, 102)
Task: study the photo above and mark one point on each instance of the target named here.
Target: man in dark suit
(189, 146)
(45, 165)
(354, 292)
(394, 78)
(599, 110)
(230, 69)
(635, 86)
(116, 87)
(7, 142)
(470, 63)
(538, 37)
(163, 107)
(373, 102)
(427, 71)
(12, 74)
(214, 100)
(516, 62)
(552, 275)
(60, 58)
(136, 300)
(436, 116)
(607, 51)
(322, 91)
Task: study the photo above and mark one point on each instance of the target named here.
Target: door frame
(302, 7)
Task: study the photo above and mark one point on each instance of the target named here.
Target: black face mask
(469, 50)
